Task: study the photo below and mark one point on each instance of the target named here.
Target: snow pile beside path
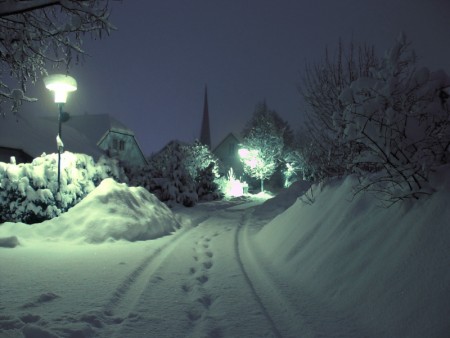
(112, 211)
(387, 268)
(283, 200)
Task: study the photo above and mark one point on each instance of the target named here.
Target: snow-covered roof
(93, 126)
(36, 135)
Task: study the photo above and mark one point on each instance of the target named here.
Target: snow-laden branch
(11, 7)
(36, 35)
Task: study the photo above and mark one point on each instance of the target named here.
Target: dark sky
(150, 74)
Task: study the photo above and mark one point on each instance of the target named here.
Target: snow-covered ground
(121, 264)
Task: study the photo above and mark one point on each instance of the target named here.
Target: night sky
(150, 74)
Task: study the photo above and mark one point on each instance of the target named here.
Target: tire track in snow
(296, 313)
(127, 294)
(289, 319)
(251, 285)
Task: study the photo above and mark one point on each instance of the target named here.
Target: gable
(123, 146)
(227, 147)
(227, 152)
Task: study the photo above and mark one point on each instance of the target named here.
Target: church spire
(205, 135)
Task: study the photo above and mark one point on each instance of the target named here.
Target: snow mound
(282, 201)
(112, 211)
(389, 267)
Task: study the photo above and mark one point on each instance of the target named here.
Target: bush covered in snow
(29, 191)
(180, 173)
(399, 119)
(389, 123)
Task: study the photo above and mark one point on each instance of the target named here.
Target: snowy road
(204, 282)
(339, 267)
(208, 279)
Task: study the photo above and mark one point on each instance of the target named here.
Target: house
(109, 135)
(227, 152)
(26, 137)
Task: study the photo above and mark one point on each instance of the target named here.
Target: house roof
(229, 135)
(93, 126)
(36, 135)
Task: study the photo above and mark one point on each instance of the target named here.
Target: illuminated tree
(38, 34)
(266, 137)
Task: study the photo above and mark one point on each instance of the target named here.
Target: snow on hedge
(29, 191)
(112, 211)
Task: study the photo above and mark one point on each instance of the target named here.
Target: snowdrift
(386, 268)
(112, 211)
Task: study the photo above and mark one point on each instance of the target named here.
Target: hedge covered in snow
(180, 173)
(29, 191)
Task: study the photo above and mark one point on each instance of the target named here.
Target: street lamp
(60, 85)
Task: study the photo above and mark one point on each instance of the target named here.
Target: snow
(41, 133)
(111, 211)
(385, 268)
(309, 262)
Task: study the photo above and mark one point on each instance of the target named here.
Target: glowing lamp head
(60, 84)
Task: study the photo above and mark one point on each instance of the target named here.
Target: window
(121, 145)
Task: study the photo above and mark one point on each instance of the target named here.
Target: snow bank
(387, 267)
(112, 211)
(282, 201)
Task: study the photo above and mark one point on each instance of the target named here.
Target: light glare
(60, 84)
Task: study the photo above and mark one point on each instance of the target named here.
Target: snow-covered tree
(180, 173)
(202, 165)
(38, 34)
(327, 154)
(264, 140)
(398, 116)
(268, 120)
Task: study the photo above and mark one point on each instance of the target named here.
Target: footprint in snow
(202, 279)
(207, 265)
(205, 300)
(193, 315)
(186, 288)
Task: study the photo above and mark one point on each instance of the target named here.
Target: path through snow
(204, 280)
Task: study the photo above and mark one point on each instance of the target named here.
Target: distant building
(227, 152)
(27, 137)
(205, 131)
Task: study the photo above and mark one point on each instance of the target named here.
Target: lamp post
(60, 85)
